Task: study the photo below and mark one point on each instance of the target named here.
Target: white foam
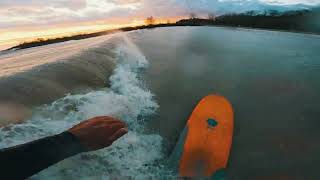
(134, 155)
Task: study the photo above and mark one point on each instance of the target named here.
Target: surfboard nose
(208, 140)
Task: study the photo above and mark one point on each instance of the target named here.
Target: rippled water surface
(271, 78)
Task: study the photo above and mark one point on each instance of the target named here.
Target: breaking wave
(135, 155)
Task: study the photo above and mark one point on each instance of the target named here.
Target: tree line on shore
(301, 21)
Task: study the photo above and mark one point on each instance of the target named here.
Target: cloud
(121, 2)
(228, 6)
(292, 2)
(37, 12)
(70, 4)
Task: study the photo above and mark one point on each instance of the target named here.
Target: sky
(23, 20)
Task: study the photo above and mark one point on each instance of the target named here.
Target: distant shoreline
(289, 22)
(127, 29)
(42, 42)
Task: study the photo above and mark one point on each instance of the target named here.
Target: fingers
(117, 126)
(99, 132)
(105, 118)
(118, 134)
(113, 125)
(100, 120)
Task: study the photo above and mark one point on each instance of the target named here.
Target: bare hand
(99, 132)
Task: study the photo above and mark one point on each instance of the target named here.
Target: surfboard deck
(204, 146)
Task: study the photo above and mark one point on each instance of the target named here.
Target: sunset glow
(17, 36)
(26, 20)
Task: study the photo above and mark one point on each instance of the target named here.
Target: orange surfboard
(204, 146)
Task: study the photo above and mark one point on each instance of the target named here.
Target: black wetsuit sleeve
(23, 161)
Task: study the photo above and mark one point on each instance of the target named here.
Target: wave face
(136, 154)
(36, 76)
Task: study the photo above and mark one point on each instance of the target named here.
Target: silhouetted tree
(150, 20)
(192, 16)
(211, 16)
(40, 39)
(251, 13)
(274, 13)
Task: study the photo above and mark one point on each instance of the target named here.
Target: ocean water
(271, 78)
(152, 79)
(136, 155)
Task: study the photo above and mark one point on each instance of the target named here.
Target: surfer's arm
(22, 161)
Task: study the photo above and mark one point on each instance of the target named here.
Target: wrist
(73, 143)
